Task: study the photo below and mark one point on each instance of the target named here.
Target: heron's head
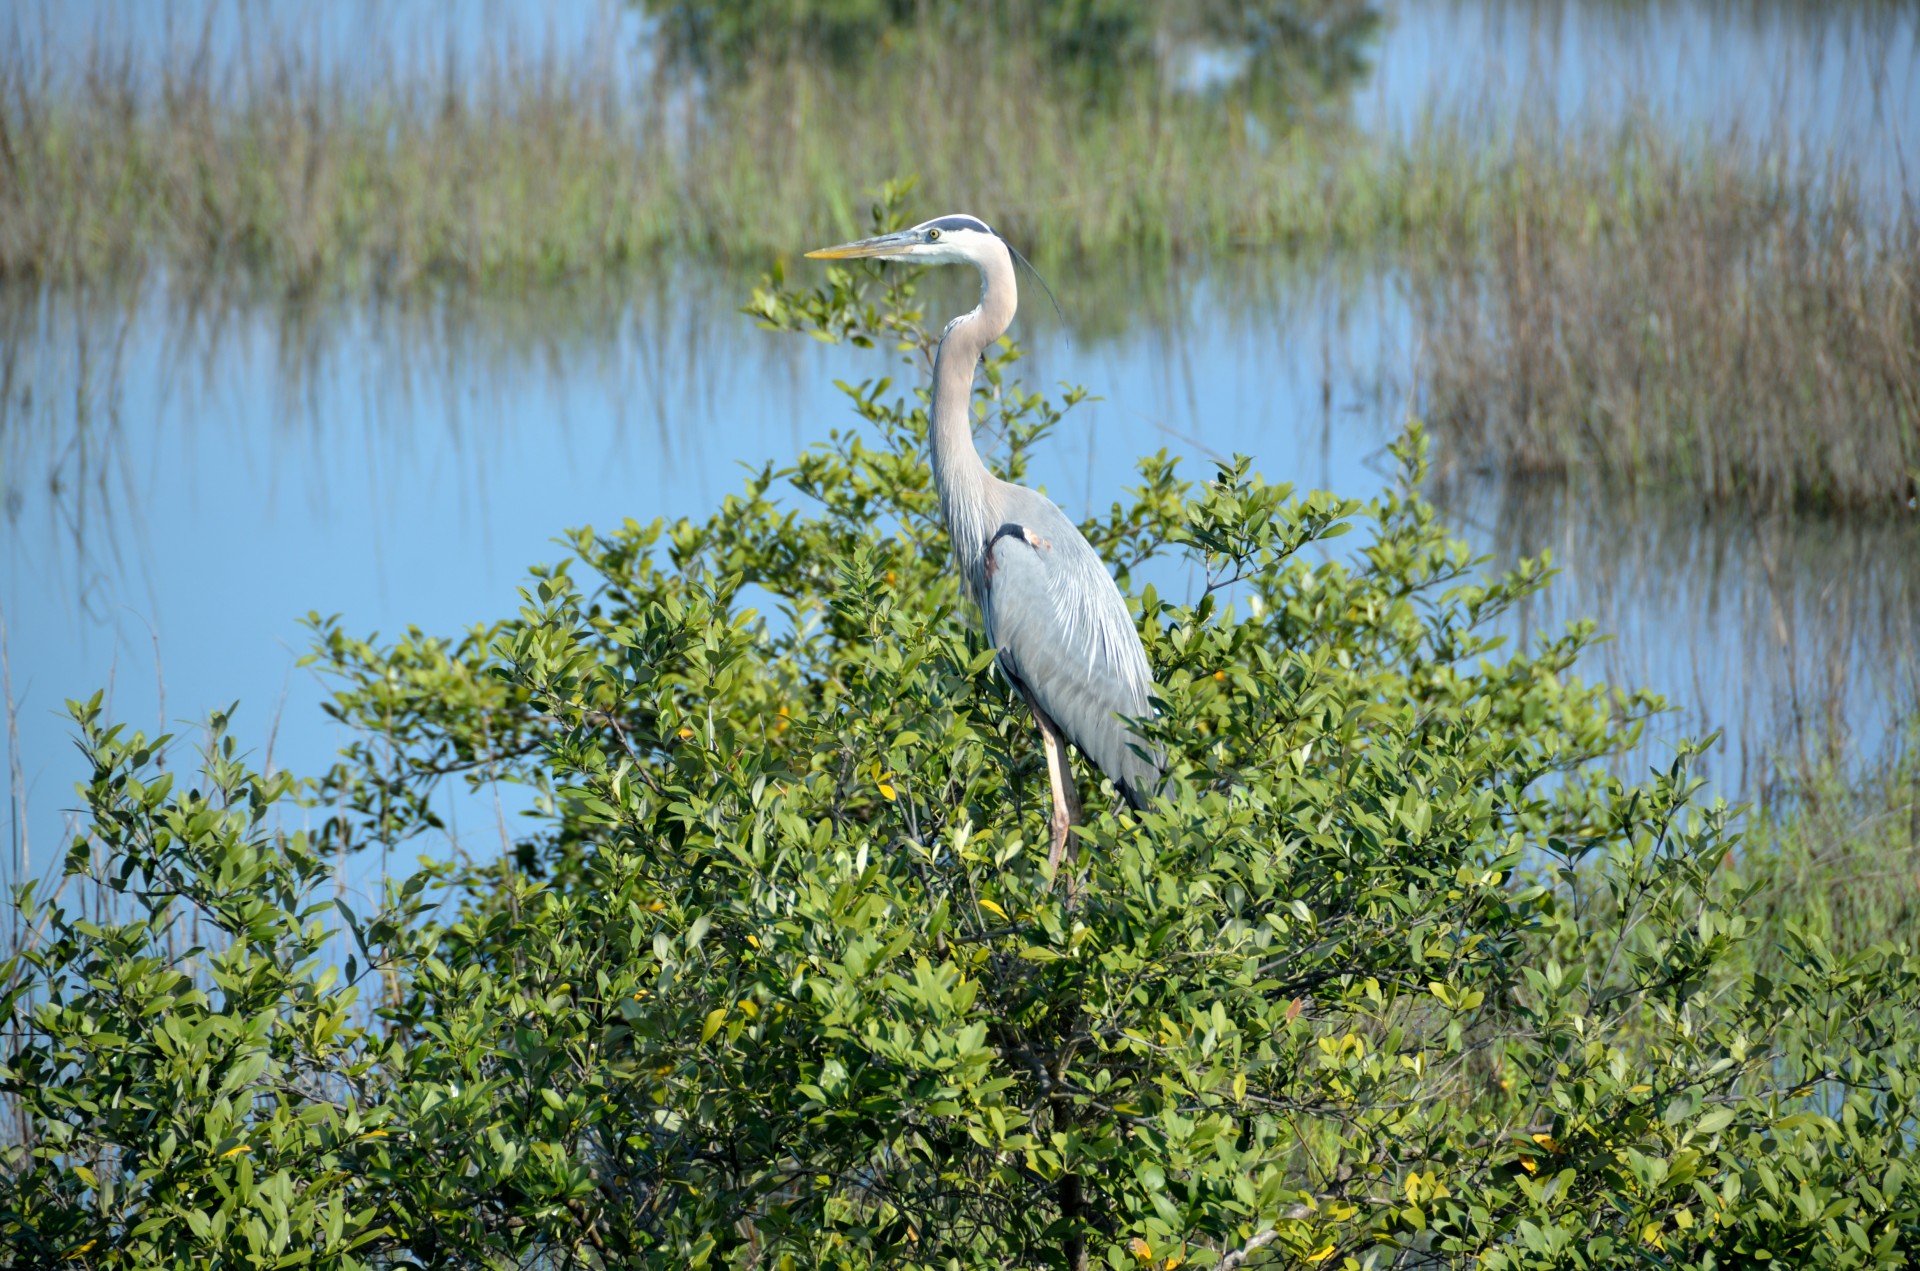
(957, 239)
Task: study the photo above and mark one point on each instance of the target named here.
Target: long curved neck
(967, 499)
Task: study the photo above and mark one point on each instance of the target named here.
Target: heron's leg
(1066, 797)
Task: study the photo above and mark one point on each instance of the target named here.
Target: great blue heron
(1064, 637)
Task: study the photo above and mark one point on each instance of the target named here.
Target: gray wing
(1064, 635)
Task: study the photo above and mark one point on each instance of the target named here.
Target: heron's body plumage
(1065, 637)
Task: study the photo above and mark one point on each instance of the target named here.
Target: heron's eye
(932, 234)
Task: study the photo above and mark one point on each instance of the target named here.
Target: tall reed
(502, 169)
(1676, 315)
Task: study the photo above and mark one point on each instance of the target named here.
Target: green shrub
(775, 976)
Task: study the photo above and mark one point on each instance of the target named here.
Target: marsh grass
(510, 171)
(1839, 856)
(1712, 314)
(1753, 341)
(501, 169)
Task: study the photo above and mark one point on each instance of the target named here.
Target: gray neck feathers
(969, 499)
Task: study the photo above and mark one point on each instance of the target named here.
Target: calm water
(1840, 76)
(185, 476)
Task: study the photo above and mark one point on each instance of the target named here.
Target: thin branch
(1238, 1258)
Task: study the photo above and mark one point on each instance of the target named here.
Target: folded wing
(1064, 636)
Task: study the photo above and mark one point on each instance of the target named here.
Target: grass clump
(505, 172)
(1838, 856)
(1668, 319)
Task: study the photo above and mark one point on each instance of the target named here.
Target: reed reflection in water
(188, 471)
(1797, 638)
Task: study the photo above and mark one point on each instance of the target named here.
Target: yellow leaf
(1320, 1255)
(887, 792)
(715, 1018)
(82, 1249)
(1526, 1163)
(754, 941)
(685, 732)
(1652, 1235)
(988, 904)
(1140, 1249)
(235, 1151)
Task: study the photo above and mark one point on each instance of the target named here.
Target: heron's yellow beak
(885, 245)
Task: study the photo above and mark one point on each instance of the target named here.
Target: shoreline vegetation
(1720, 315)
(514, 175)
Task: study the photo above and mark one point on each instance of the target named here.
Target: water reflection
(372, 407)
(1837, 79)
(1798, 639)
(187, 472)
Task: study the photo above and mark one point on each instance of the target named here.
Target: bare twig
(1238, 1258)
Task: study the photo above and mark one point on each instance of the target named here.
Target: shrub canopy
(774, 976)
